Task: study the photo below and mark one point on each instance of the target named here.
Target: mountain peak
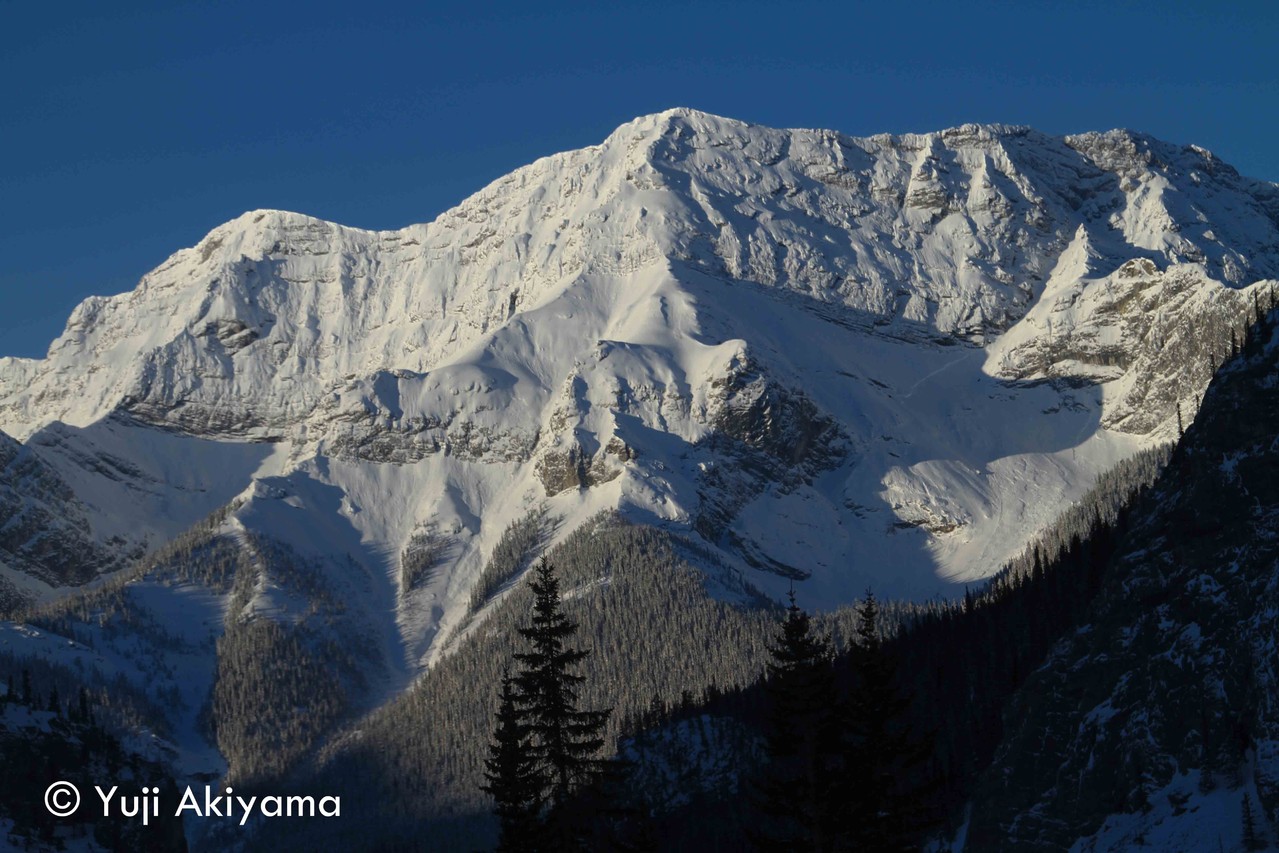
(694, 280)
(262, 231)
(688, 115)
(681, 121)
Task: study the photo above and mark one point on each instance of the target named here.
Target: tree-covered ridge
(1164, 694)
(221, 667)
(654, 635)
(954, 666)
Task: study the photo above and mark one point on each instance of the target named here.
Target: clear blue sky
(130, 129)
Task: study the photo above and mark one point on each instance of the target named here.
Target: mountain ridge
(1156, 706)
(585, 316)
(703, 364)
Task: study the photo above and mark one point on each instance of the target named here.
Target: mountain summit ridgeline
(832, 361)
(275, 506)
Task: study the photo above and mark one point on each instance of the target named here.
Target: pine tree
(84, 715)
(566, 741)
(796, 794)
(1251, 840)
(881, 752)
(512, 776)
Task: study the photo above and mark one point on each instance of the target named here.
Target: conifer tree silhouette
(796, 793)
(545, 750)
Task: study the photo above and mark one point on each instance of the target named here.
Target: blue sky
(129, 130)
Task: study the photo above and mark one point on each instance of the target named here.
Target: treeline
(668, 656)
(107, 620)
(279, 683)
(954, 666)
(421, 557)
(832, 766)
(654, 634)
(278, 687)
(518, 545)
(1113, 491)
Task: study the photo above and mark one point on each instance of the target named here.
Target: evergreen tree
(512, 776)
(84, 715)
(26, 687)
(1251, 840)
(881, 754)
(565, 740)
(796, 794)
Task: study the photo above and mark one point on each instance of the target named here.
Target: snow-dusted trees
(515, 549)
(420, 558)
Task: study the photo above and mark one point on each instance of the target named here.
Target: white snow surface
(1182, 818)
(583, 316)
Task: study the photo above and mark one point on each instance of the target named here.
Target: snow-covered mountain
(839, 361)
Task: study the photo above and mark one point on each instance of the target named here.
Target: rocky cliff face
(1155, 721)
(46, 532)
(825, 355)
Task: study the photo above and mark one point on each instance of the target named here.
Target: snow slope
(842, 362)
